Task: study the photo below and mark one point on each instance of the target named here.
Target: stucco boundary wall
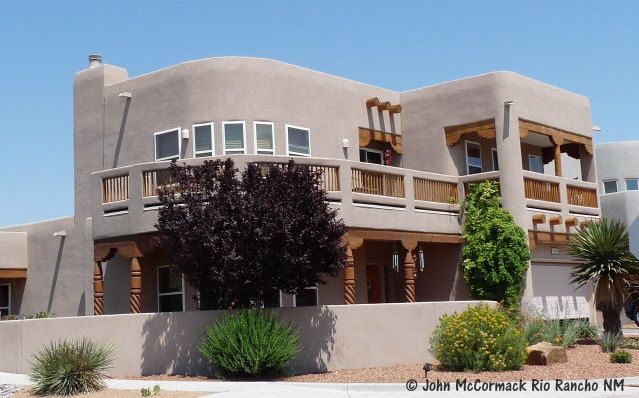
(331, 337)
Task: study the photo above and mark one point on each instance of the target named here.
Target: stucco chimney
(95, 60)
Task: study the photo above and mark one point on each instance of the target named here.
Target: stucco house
(395, 164)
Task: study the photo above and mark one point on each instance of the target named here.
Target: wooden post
(409, 271)
(557, 141)
(98, 289)
(349, 270)
(136, 285)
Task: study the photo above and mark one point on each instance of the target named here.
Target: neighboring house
(436, 141)
(618, 166)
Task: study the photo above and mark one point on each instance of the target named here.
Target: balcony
(366, 195)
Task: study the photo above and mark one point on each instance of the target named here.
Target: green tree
(608, 264)
(495, 254)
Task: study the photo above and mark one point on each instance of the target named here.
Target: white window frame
(181, 292)
(155, 145)
(481, 160)
(630, 179)
(495, 156)
(611, 180)
(9, 299)
(234, 151)
(374, 151)
(289, 153)
(255, 123)
(307, 288)
(195, 152)
(280, 300)
(540, 160)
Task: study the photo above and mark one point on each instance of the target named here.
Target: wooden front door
(373, 283)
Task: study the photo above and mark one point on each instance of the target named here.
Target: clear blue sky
(591, 48)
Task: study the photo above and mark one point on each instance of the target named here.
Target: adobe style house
(395, 164)
(618, 167)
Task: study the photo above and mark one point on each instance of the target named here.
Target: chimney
(95, 60)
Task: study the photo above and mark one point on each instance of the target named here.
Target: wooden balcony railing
(115, 189)
(435, 191)
(377, 183)
(329, 174)
(542, 190)
(154, 179)
(578, 196)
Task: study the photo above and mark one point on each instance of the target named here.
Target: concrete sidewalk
(337, 390)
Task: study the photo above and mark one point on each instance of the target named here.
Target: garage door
(555, 296)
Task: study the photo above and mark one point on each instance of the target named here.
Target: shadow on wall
(170, 340)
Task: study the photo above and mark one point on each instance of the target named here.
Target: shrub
(555, 331)
(621, 356)
(252, 343)
(610, 341)
(480, 338)
(495, 254)
(629, 343)
(70, 367)
(586, 330)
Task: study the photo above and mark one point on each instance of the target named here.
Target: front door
(372, 283)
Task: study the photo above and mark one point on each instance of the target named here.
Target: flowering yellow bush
(480, 338)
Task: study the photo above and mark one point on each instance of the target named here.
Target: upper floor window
(371, 156)
(610, 186)
(264, 142)
(306, 298)
(170, 289)
(5, 299)
(203, 143)
(535, 163)
(632, 184)
(168, 145)
(298, 141)
(473, 158)
(234, 137)
(495, 160)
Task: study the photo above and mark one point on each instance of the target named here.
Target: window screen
(264, 138)
(298, 141)
(167, 145)
(203, 140)
(610, 186)
(632, 184)
(234, 137)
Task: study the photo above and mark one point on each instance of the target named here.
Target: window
(168, 145)
(203, 143)
(264, 142)
(306, 298)
(473, 157)
(272, 299)
(298, 141)
(371, 156)
(632, 184)
(535, 164)
(234, 137)
(170, 289)
(495, 160)
(5, 299)
(610, 186)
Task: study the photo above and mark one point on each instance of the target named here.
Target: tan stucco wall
(13, 250)
(331, 337)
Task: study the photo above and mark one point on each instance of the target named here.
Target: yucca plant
(252, 343)
(70, 367)
(608, 264)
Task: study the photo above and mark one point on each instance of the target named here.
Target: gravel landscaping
(8, 390)
(108, 393)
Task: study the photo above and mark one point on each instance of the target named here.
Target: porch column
(409, 270)
(98, 289)
(557, 141)
(136, 285)
(349, 270)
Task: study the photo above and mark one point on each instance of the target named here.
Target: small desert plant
(586, 330)
(621, 356)
(610, 341)
(629, 343)
(480, 338)
(570, 334)
(70, 367)
(147, 392)
(252, 343)
(555, 331)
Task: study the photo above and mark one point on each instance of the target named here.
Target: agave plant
(608, 264)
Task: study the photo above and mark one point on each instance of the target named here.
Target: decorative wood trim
(409, 273)
(136, 285)
(98, 289)
(555, 220)
(548, 237)
(558, 136)
(485, 129)
(106, 251)
(539, 218)
(571, 222)
(395, 109)
(372, 102)
(390, 235)
(13, 273)
(368, 135)
(383, 106)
